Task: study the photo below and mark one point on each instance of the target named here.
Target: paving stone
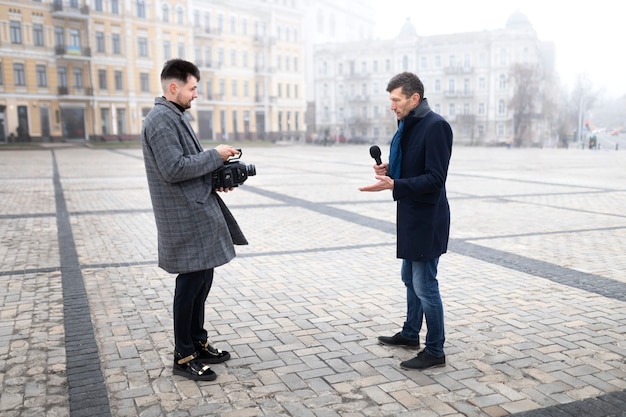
(535, 310)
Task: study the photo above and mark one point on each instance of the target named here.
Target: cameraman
(196, 231)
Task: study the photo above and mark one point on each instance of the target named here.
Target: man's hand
(224, 190)
(384, 183)
(226, 151)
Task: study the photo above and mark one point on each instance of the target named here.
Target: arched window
(165, 13)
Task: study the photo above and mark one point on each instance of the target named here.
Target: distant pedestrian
(416, 174)
(196, 231)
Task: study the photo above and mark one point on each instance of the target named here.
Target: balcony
(70, 10)
(63, 90)
(72, 51)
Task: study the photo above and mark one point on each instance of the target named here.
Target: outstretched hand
(384, 183)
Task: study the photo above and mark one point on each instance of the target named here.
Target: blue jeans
(423, 300)
(190, 295)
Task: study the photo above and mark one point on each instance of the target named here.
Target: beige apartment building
(89, 69)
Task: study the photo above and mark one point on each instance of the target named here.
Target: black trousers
(190, 295)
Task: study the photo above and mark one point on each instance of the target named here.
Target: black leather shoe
(190, 367)
(209, 354)
(424, 360)
(399, 340)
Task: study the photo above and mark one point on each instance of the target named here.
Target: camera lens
(250, 170)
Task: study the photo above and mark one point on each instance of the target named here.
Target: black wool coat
(423, 212)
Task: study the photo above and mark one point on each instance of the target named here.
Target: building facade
(89, 69)
(469, 79)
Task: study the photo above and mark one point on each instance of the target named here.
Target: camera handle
(233, 158)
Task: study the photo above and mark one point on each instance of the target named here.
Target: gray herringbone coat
(196, 231)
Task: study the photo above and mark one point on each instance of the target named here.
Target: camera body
(232, 173)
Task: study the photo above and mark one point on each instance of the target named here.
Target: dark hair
(180, 70)
(409, 82)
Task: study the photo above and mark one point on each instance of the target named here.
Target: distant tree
(527, 98)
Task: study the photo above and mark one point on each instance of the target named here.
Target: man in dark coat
(416, 173)
(196, 231)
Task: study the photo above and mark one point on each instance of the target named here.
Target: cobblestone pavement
(534, 289)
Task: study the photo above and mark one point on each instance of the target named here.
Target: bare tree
(526, 101)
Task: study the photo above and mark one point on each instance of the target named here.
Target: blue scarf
(395, 153)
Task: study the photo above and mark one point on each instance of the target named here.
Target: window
(97, 5)
(38, 35)
(19, 75)
(196, 19)
(452, 110)
(501, 107)
(437, 61)
(181, 50)
(481, 108)
(502, 82)
(116, 43)
(144, 82)
(295, 91)
(165, 13)
(451, 86)
(15, 30)
(75, 38)
(423, 62)
(117, 78)
(387, 65)
(437, 86)
(141, 9)
(102, 79)
(42, 76)
(105, 122)
(78, 77)
(180, 16)
(482, 84)
(233, 57)
(233, 25)
(1, 79)
(59, 36)
(99, 41)
(207, 21)
(142, 47)
(167, 50)
(234, 88)
(115, 6)
(62, 76)
(121, 121)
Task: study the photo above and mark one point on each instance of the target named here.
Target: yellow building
(89, 69)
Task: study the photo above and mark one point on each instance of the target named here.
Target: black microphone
(375, 153)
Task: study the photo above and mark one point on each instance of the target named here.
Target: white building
(469, 79)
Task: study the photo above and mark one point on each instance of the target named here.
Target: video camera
(232, 173)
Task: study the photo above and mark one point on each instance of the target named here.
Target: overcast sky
(589, 36)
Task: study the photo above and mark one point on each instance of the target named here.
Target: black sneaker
(399, 340)
(424, 360)
(190, 367)
(209, 354)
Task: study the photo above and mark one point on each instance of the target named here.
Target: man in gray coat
(196, 231)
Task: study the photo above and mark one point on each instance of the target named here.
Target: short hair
(180, 70)
(409, 82)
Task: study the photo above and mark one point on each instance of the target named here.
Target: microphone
(375, 153)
